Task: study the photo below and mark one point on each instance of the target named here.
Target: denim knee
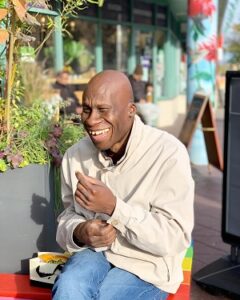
(81, 276)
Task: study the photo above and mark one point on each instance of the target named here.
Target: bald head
(111, 81)
(108, 110)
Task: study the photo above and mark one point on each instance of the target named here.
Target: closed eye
(103, 109)
(86, 109)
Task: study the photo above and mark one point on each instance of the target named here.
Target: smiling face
(108, 110)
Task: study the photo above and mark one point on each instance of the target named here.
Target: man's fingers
(81, 199)
(103, 241)
(87, 179)
(80, 176)
(81, 188)
(81, 195)
(83, 179)
(107, 229)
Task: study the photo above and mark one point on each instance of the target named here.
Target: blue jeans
(88, 275)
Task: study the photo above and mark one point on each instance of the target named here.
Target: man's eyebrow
(104, 105)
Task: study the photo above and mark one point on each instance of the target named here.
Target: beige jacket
(154, 210)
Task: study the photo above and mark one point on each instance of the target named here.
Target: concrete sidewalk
(208, 245)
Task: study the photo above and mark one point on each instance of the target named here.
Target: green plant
(26, 131)
(233, 45)
(34, 138)
(60, 137)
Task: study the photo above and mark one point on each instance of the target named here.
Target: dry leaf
(21, 11)
(3, 35)
(31, 20)
(3, 13)
(25, 38)
(20, 8)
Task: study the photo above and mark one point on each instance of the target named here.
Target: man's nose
(93, 118)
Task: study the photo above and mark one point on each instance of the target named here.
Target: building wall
(120, 35)
(172, 113)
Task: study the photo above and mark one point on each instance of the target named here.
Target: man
(138, 85)
(128, 196)
(66, 92)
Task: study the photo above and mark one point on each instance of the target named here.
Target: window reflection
(160, 66)
(144, 46)
(79, 47)
(115, 47)
(43, 45)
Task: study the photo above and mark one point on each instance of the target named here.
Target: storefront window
(42, 48)
(79, 47)
(117, 10)
(160, 64)
(115, 45)
(143, 12)
(144, 46)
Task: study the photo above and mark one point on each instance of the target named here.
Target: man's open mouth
(98, 132)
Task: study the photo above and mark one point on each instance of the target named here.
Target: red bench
(18, 286)
(183, 292)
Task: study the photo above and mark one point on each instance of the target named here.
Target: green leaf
(199, 27)
(2, 3)
(3, 166)
(195, 36)
(203, 76)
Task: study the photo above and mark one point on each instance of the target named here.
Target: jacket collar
(134, 139)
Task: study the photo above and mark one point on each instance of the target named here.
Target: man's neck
(115, 156)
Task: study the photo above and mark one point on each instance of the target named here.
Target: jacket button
(114, 222)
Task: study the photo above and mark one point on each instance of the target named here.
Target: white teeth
(98, 132)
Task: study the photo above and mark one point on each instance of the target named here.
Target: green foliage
(61, 138)
(72, 50)
(72, 133)
(77, 51)
(202, 76)
(233, 45)
(33, 139)
(27, 134)
(34, 82)
(29, 130)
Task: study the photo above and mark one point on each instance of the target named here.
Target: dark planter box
(27, 218)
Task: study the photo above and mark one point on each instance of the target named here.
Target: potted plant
(30, 140)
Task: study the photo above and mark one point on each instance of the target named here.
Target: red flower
(210, 47)
(201, 8)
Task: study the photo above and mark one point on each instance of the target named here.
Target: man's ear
(132, 109)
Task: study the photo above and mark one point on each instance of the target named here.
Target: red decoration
(204, 8)
(210, 47)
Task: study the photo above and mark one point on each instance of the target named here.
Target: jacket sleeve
(68, 219)
(164, 229)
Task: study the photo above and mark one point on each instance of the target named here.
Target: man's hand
(95, 233)
(94, 195)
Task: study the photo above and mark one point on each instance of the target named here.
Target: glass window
(161, 16)
(115, 47)
(90, 10)
(79, 47)
(160, 64)
(144, 46)
(43, 44)
(117, 10)
(143, 12)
